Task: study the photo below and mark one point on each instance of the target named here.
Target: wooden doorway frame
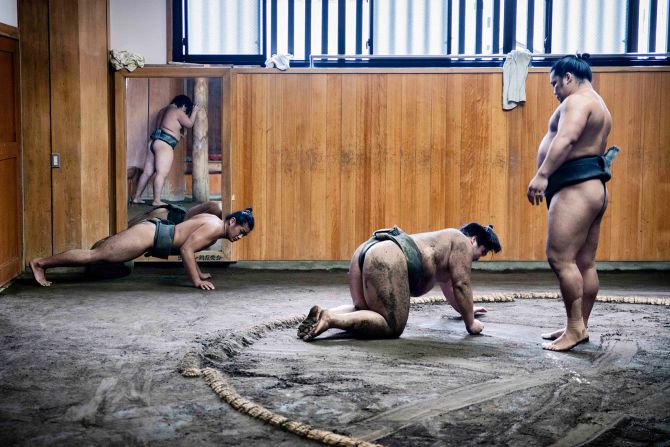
(12, 266)
(119, 157)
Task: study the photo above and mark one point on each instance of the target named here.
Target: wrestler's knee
(586, 263)
(95, 255)
(148, 172)
(557, 262)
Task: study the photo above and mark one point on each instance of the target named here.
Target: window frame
(508, 24)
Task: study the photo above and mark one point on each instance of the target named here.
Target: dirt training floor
(94, 363)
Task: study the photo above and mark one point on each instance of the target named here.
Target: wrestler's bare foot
(310, 321)
(322, 324)
(137, 201)
(475, 328)
(158, 203)
(552, 335)
(38, 273)
(567, 341)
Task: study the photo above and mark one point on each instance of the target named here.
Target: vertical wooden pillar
(36, 127)
(200, 145)
(79, 122)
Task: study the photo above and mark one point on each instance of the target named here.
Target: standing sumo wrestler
(572, 169)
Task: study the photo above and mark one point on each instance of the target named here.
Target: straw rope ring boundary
(191, 363)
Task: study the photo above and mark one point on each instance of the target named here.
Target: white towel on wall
(515, 71)
(279, 61)
(125, 59)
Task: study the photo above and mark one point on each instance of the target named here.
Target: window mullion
(324, 26)
(548, 14)
(479, 18)
(359, 26)
(341, 26)
(291, 26)
(273, 27)
(632, 19)
(185, 40)
(530, 25)
(495, 44)
(178, 33)
(509, 30)
(653, 10)
(449, 26)
(461, 27)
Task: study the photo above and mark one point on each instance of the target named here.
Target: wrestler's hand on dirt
(475, 328)
(536, 189)
(204, 276)
(204, 285)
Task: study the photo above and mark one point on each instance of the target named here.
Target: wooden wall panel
(10, 232)
(10, 161)
(36, 135)
(137, 122)
(79, 122)
(318, 165)
(660, 227)
(622, 95)
(226, 143)
(65, 124)
(332, 127)
(94, 138)
(428, 151)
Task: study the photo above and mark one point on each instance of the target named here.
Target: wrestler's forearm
(190, 265)
(191, 119)
(463, 295)
(543, 149)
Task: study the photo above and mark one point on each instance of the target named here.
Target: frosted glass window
(413, 27)
(590, 26)
(224, 27)
(419, 27)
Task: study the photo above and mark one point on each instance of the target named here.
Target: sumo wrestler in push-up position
(156, 238)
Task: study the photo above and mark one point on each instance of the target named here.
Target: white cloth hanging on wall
(515, 72)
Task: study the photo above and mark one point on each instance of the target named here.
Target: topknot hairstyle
(185, 101)
(577, 65)
(485, 235)
(243, 217)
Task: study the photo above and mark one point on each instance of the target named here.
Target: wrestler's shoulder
(205, 218)
(580, 100)
(446, 235)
